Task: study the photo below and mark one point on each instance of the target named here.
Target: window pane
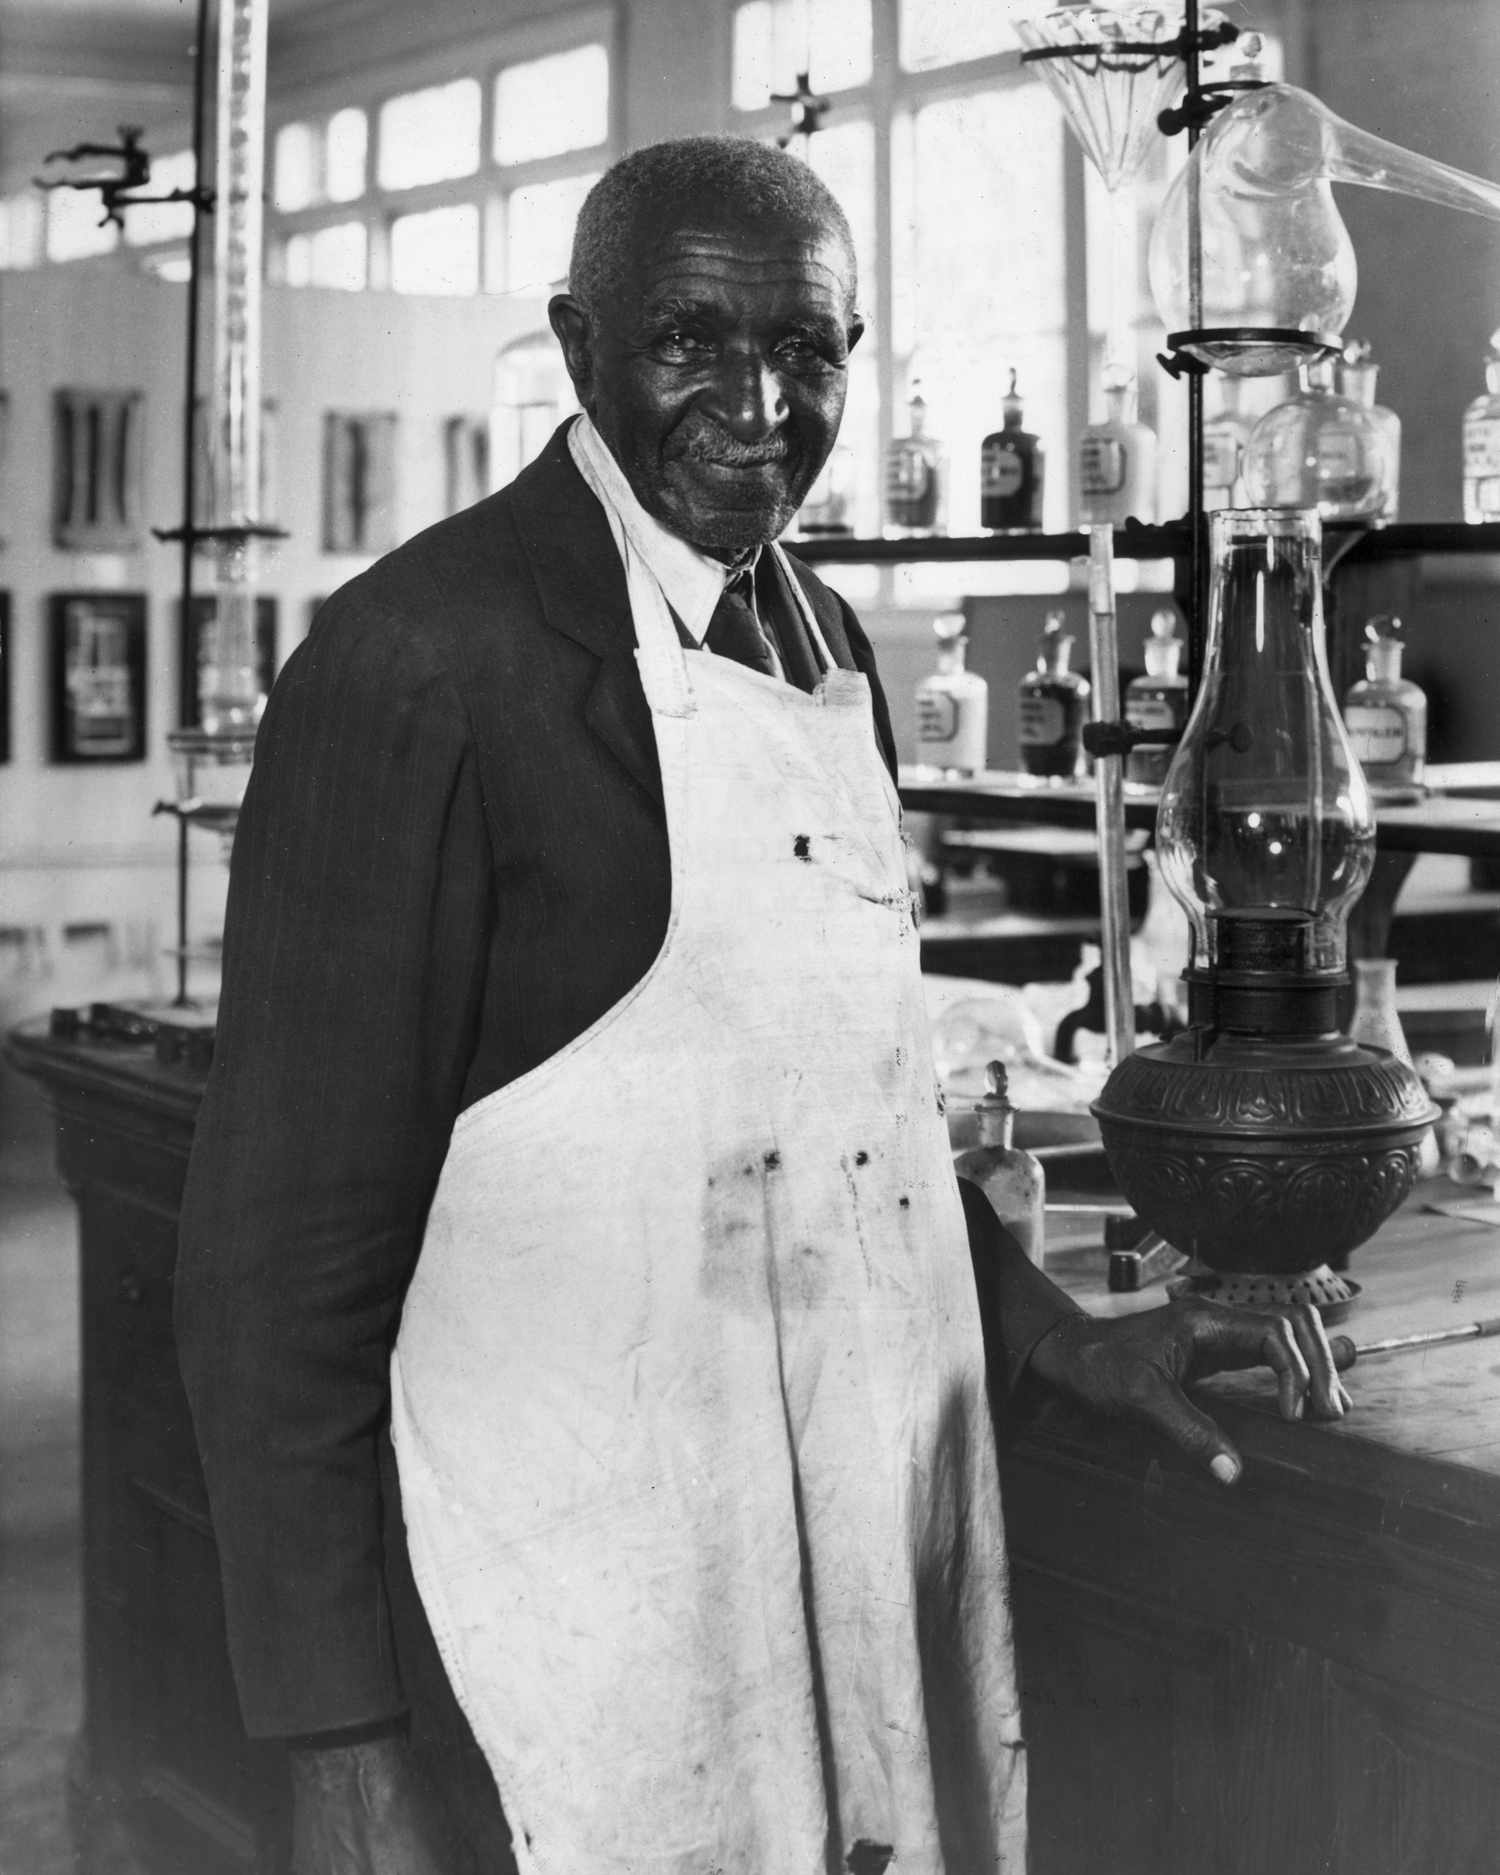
(845, 159)
(430, 135)
(979, 276)
(73, 225)
(539, 230)
(296, 260)
(339, 256)
(550, 105)
(295, 166)
(21, 230)
(776, 39)
(344, 156)
(436, 252)
(163, 221)
(941, 32)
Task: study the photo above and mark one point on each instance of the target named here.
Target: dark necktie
(734, 631)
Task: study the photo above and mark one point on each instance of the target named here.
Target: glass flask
(1265, 830)
(1481, 437)
(1323, 449)
(1273, 273)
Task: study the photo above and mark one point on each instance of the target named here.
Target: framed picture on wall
(5, 684)
(193, 648)
(98, 672)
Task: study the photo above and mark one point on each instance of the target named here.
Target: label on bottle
(1101, 465)
(1482, 446)
(1340, 458)
(1221, 461)
(1377, 734)
(1002, 470)
(1152, 712)
(952, 730)
(1043, 720)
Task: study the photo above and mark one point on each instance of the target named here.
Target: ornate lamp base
(1330, 1294)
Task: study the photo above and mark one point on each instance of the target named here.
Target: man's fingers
(1169, 1409)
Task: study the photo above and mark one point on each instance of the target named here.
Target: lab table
(1298, 1673)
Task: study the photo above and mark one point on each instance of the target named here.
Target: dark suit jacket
(452, 858)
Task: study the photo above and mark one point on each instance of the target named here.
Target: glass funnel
(1250, 260)
(1265, 831)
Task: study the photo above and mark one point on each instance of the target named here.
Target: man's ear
(574, 334)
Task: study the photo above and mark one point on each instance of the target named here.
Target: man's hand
(1138, 1365)
(365, 1809)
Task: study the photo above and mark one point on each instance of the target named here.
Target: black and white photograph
(750, 939)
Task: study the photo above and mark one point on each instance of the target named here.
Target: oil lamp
(1260, 1140)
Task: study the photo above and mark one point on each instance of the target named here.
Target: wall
(87, 874)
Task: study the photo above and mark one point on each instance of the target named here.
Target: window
(21, 230)
(537, 237)
(333, 256)
(76, 228)
(547, 106)
(163, 221)
(436, 251)
(430, 135)
(313, 163)
(776, 39)
(983, 243)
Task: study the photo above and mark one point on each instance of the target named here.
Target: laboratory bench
(1299, 1673)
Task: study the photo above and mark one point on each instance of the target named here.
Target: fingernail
(1224, 1468)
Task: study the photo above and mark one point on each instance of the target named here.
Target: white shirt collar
(691, 582)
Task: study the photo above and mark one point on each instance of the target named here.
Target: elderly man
(572, 1110)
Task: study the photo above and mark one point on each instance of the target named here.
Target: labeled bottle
(1482, 444)
(1225, 434)
(1356, 377)
(953, 706)
(1011, 473)
(1010, 1177)
(916, 476)
(1053, 700)
(828, 508)
(1117, 463)
(1385, 715)
(1324, 449)
(1159, 700)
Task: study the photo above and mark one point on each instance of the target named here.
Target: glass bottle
(1482, 444)
(1322, 449)
(1376, 1023)
(1225, 434)
(1117, 463)
(1052, 703)
(1011, 1178)
(952, 706)
(1159, 700)
(1012, 465)
(1386, 717)
(1356, 376)
(828, 508)
(916, 477)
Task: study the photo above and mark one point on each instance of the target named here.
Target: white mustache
(705, 444)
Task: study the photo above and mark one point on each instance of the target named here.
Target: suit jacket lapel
(581, 585)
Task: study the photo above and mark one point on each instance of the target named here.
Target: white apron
(688, 1399)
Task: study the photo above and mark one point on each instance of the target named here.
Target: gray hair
(756, 179)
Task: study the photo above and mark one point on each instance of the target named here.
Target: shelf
(1134, 541)
(1466, 823)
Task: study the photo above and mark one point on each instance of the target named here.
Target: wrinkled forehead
(710, 237)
